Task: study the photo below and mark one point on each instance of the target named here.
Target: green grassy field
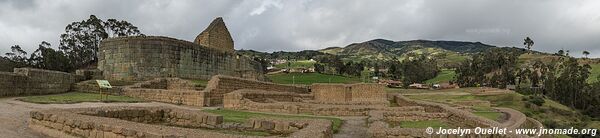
(297, 64)
(310, 78)
(595, 72)
(446, 75)
(77, 97)
(200, 83)
(489, 115)
(550, 113)
(242, 117)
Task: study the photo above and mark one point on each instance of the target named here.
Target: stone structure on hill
(216, 36)
(148, 57)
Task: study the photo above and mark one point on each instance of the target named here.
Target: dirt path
(14, 114)
(353, 127)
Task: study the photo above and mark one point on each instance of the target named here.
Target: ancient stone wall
(368, 92)
(331, 92)
(394, 116)
(90, 74)
(314, 128)
(294, 103)
(169, 90)
(148, 57)
(233, 100)
(216, 36)
(220, 85)
(28, 81)
(336, 93)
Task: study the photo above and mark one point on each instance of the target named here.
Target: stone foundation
(169, 90)
(220, 85)
(294, 103)
(109, 122)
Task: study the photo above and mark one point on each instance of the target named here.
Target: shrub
(537, 100)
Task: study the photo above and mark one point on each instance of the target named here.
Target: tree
(394, 71)
(495, 67)
(586, 53)
(319, 68)
(17, 55)
(528, 43)
(418, 70)
(561, 52)
(47, 58)
(81, 39)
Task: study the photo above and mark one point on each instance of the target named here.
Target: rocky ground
(353, 127)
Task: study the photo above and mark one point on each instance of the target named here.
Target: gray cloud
(273, 25)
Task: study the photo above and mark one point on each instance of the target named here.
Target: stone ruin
(383, 111)
(147, 57)
(216, 36)
(29, 81)
(159, 63)
(179, 91)
(151, 122)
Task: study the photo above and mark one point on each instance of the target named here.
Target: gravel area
(14, 114)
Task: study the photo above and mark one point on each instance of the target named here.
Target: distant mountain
(381, 48)
(448, 53)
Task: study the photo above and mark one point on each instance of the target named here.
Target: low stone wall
(156, 115)
(110, 122)
(28, 81)
(91, 86)
(293, 103)
(169, 90)
(220, 85)
(394, 116)
(316, 128)
(342, 93)
(90, 74)
(235, 99)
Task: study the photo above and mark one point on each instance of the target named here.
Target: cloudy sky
(292, 25)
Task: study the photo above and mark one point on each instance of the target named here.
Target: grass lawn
(76, 97)
(595, 72)
(310, 78)
(444, 76)
(297, 64)
(550, 111)
(489, 115)
(424, 124)
(242, 116)
(200, 83)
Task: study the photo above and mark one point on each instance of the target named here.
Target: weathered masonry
(28, 81)
(148, 57)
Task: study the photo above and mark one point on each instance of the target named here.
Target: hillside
(448, 53)
(386, 49)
